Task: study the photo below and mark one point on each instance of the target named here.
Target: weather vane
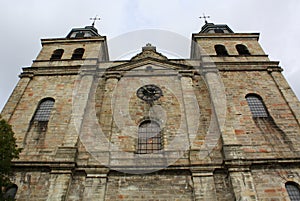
(94, 19)
(204, 17)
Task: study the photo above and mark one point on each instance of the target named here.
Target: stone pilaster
(80, 100)
(59, 185)
(218, 103)
(106, 116)
(204, 186)
(243, 184)
(191, 107)
(95, 186)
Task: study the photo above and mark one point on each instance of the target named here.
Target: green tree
(8, 152)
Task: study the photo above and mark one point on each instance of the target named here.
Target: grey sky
(24, 23)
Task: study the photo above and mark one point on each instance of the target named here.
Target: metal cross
(204, 17)
(94, 19)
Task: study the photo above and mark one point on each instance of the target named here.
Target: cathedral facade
(220, 125)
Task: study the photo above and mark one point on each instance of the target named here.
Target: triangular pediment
(150, 58)
(149, 51)
(153, 62)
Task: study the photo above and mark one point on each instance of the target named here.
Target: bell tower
(80, 45)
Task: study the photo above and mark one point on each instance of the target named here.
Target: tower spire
(94, 20)
(205, 17)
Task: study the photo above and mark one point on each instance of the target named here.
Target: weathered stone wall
(270, 181)
(60, 88)
(33, 184)
(281, 136)
(157, 186)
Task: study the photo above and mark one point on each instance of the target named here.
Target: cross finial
(94, 19)
(204, 17)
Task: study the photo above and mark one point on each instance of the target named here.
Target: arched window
(149, 137)
(257, 106)
(57, 54)
(78, 53)
(242, 49)
(221, 50)
(42, 114)
(10, 192)
(293, 191)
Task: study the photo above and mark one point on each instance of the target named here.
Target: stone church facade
(220, 125)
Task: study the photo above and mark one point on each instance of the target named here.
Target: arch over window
(242, 49)
(221, 50)
(78, 53)
(293, 190)
(57, 54)
(257, 106)
(42, 114)
(149, 137)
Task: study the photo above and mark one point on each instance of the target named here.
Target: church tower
(220, 125)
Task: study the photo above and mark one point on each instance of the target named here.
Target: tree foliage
(8, 151)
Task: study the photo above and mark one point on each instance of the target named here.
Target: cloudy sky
(24, 23)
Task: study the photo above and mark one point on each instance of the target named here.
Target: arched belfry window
(242, 49)
(257, 106)
(221, 50)
(42, 114)
(149, 137)
(293, 190)
(78, 53)
(57, 54)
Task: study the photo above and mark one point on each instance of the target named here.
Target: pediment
(155, 63)
(150, 58)
(149, 51)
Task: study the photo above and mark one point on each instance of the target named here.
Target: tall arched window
(242, 49)
(149, 137)
(42, 114)
(78, 53)
(221, 50)
(57, 54)
(293, 190)
(257, 106)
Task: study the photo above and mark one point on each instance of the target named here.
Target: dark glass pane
(78, 53)
(293, 191)
(257, 107)
(57, 54)
(149, 137)
(44, 110)
(242, 50)
(221, 50)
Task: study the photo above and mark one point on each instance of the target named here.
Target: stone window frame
(221, 50)
(257, 106)
(57, 54)
(242, 49)
(78, 53)
(149, 137)
(293, 190)
(42, 115)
